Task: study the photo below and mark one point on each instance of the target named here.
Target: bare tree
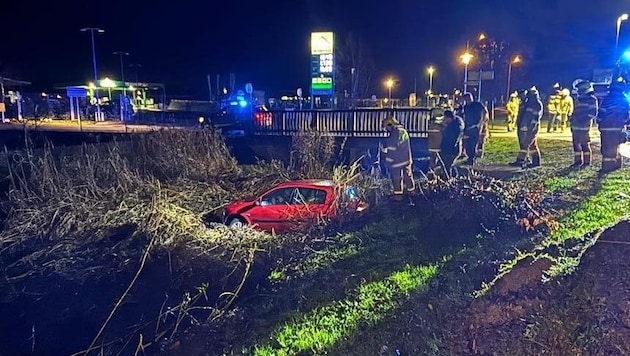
(354, 68)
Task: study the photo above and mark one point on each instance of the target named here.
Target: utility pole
(123, 99)
(96, 84)
(122, 69)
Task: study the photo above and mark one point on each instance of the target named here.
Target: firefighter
(398, 159)
(611, 119)
(435, 139)
(475, 119)
(581, 122)
(553, 104)
(452, 131)
(512, 107)
(565, 108)
(528, 125)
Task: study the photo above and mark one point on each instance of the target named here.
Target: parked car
(294, 205)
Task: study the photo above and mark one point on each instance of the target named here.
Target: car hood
(241, 206)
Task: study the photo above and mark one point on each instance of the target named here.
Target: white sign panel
(322, 43)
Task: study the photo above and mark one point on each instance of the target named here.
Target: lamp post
(122, 69)
(620, 19)
(466, 58)
(515, 60)
(97, 30)
(431, 70)
(389, 84)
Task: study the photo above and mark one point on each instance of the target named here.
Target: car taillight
(263, 118)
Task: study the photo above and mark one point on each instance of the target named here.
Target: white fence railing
(344, 123)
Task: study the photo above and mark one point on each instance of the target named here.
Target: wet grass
(325, 326)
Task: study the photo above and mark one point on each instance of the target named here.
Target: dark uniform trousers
(528, 144)
(581, 145)
(611, 138)
(402, 177)
(435, 141)
(471, 142)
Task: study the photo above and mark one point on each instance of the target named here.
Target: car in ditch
(295, 205)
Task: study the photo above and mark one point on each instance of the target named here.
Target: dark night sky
(266, 42)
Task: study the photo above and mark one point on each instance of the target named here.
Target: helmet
(565, 92)
(584, 87)
(533, 89)
(389, 121)
(514, 95)
(556, 86)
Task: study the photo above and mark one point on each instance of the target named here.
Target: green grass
(595, 203)
(324, 327)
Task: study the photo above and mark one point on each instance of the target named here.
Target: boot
(517, 163)
(535, 162)
(578, 160)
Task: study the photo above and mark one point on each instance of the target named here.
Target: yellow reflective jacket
(553, 105)
(565, 106)
(512, 106)
(397, 150)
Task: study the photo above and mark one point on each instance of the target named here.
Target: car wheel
(237, 223)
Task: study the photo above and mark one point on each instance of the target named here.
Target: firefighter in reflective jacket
(528, 124)
(512, 107)
(435, 140)
(565, 108)
(398, 159)
(611, 119)
(553, 104)
(581, 123)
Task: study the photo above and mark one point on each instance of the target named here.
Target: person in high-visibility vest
(512, 107)
(611, 119)
(553, 103)
(398, 158)
(565, 108)
(581, 122)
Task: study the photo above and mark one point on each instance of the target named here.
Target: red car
(293, 206)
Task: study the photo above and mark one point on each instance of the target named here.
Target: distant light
(108, 83)
(233, 103)
(626, 55)
(242, 103)
(44, 95)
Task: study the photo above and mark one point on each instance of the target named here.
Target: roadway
(84, 126)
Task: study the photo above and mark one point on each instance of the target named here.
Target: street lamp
(515, 60)
(620, 19)
(97, 30)
(481, 37)
(109, 84)
(389, 84)
(431, 70)
(466, 58)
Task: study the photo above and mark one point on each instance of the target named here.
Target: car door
(270, 210)
(310, 206)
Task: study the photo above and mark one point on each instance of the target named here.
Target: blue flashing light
(233, 103)
(626, 55)
(242, 103)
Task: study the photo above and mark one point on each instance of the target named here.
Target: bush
(312, 154)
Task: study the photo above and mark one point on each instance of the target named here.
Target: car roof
(325, 183)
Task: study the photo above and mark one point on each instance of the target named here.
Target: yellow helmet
(565, 92)
(389, 121)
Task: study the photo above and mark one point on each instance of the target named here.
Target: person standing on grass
(398, 158)
(581, 122)
(611, 120)
(528, 127)
(452, 131)
(475, 119)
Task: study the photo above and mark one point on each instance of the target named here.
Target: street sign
(76, 92)
(472, 83)
(485, 75)
(299, 92)
(249, 88)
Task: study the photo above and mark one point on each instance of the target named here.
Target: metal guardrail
(344, 123)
